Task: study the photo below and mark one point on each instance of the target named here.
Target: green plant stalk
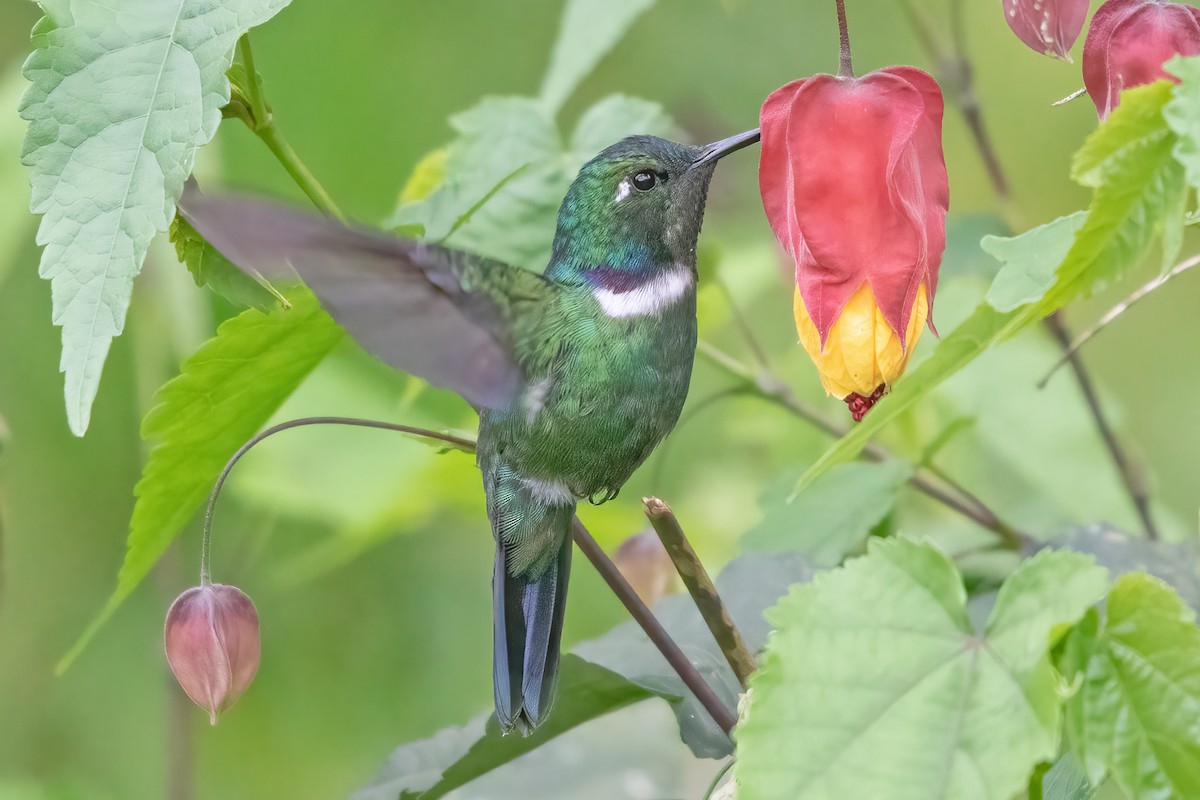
(702, 589)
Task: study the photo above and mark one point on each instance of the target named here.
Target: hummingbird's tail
(529, 587)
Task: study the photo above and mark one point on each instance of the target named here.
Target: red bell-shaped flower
(1048, 26)
(854, 184)
(1128, 42)
(212, 645)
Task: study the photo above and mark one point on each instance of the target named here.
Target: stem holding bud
(846, 60)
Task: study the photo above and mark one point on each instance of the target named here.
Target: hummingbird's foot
(860, 405)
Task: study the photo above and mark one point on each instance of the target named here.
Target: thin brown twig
(702, 589)
(845, 57)
(649, 623)
(1129, 472)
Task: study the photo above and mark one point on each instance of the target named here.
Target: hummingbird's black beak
(724, 147)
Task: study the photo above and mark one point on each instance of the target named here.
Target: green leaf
(508, 169)
(1029, 261)
(121, 96)
(876, 685)
(589, 30)
(1066, 781)
(1139, 197)
(1137, 709)
(748, 585)
(225, 392)
(832, 517)
(210, 268)
(431, 768)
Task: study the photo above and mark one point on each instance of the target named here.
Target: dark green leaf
(225, 392)
(119, 101)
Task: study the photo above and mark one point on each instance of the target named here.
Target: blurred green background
(368, 555)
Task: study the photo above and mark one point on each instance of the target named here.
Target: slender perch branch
(701, 588)
(649, 623)
(1131, 475)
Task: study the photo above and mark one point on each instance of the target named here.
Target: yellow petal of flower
(862, 352)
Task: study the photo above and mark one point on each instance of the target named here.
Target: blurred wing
(442, 314)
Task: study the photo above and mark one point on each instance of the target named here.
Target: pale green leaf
(1183, 115)
(614, 118)
(1029, 261)
(1137, 712)
(1177, 563)
(1138, 199)
(1139, 125)
(121, 96)
(589, 30)
(225, 392)
(876, 685)
(833, 517)
(1065, 780)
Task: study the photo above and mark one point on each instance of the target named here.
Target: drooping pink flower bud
(645, 563)
(854, 185)
(212, 645)
(1048, 26)
(1129, 41)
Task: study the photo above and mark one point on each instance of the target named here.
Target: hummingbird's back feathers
(448, 316)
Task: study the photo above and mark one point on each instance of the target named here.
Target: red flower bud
(212, 645)
(1128, 42)
(1048, 26)
(854, 184)
(644, 562)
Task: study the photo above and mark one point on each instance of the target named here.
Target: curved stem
(206, 536)
(846, 59)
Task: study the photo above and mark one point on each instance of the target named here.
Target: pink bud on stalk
(1128, 42)
(212, 645)
(1048, 26)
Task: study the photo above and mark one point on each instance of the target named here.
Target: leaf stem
(264, 126)
(206, 537)
(649, 623)
(1130, 473)
(700, 586)
(845, 56)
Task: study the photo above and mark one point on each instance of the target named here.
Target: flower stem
(846, 59)
(700, 586)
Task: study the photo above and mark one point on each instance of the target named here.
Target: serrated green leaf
(589, 30)
(431, 768)
(1135, 714)
(1140, 125)
(209, 268)
(1177, 563)
(1029, 261)
(121, 96)
(1139, 198)
(832, 517)
(225, 392)
(876, 685)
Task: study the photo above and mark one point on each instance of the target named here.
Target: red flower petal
(854, 184)
(1129, 41)
(1047, 26)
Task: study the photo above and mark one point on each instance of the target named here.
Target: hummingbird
(577, 373)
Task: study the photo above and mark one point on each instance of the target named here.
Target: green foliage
(1030, 261)
(589, 29)
(222, 396)
(1139, 195)
(431, 768)
(209, 268)
(1183, 115)
(876, 685)
(1177, 563)
(1134, 713)
(833, 516)
(120, 99)
(1063, 781)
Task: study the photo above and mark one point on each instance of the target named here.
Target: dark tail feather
(527, 632)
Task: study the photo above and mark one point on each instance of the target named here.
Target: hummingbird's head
(638, 205)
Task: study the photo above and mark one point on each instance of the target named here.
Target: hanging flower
(1048, 26)
(212, 645)
(1128, 42)
(854, 185)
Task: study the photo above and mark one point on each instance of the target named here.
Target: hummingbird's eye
(644, 181)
